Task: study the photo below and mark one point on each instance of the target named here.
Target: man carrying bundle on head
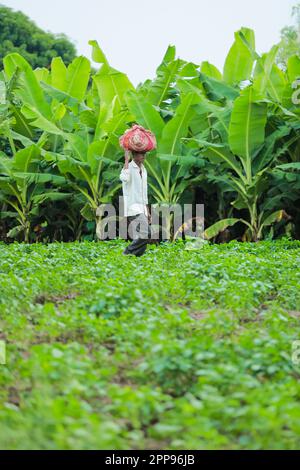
(135, 191)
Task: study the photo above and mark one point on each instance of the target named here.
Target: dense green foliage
(19, 34)
(109, 352)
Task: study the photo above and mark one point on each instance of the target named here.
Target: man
(135, 196)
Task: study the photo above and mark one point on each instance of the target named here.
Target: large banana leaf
(106, 147)
(38, 120)
(217, 90)
(58, 73)
(38, 178)
(293, 68)
(29, 90)
(167, 72)
(207, 108)
(247, 128)
(77, 77)
(269, 80)
(68, 165)
(267, 153)
(50, 196)
(144, 112)
(218, 227)
(211, 70)
(42, 74)
(239, 62)
(109, 81)
(25, 157)
(177, 127)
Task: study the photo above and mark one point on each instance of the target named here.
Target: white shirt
(135, 191)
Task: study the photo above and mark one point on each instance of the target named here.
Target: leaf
(219, 153)
(277, 216)
(109, 81)
(23, 158)
(9, 214)
(42, 74)
(218, 227)
(97, 53)
(267, 154)
(87, 212)
(77, 77)
(38, 178)
(239, 62)
(293, 68)
(166, 74)
(184, 160)
(58, 74)
(50, 196)
(247, 128)
(146, 115)
(269, 80)
(289, 166)
(38, 120)
(217, 90)
(14, 232)
(68, 165)
(211, 70)
(177, 127)
(29, 91)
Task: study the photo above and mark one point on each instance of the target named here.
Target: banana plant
(78, 139)
(7, 119)
(247, 155)
(25, 187)
(92, 165)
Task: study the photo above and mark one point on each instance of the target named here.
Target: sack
(138, 139)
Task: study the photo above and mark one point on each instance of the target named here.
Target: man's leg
(141, 225)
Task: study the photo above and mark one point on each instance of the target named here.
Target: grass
(178, 349)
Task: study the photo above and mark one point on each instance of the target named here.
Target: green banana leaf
(109, 81)
(247, 128)
(239, 62)
(38, 120)
(29, 90)
(77, 78)
(166, 74)
(293, 68)
(144, 112)
(39, 178)
(218, 227)
(58, 73)
(211, 71)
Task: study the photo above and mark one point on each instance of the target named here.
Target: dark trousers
(140, 232)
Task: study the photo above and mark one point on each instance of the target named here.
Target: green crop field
(105, 351)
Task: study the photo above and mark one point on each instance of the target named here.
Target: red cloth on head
(138, 139)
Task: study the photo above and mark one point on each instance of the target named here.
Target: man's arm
(125, 174)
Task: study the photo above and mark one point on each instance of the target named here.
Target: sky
(135, 34)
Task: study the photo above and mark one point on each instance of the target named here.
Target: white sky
(135, 34)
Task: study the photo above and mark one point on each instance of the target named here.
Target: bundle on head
(138, 139)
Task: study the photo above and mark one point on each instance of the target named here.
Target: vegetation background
(189, 346)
